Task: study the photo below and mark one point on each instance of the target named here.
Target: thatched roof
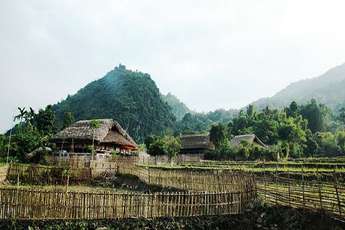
(250, 138)
(197, 141)
(109, 131)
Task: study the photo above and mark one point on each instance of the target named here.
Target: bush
(243, 152)
(166, 145)
(328, 144)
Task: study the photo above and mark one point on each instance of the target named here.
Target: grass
(254, 167)
(70, 188)
(307, 165)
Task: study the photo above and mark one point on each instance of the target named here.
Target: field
(125, 189)
(316, 184)
(327, 165)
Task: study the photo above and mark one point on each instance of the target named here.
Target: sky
(210, 54)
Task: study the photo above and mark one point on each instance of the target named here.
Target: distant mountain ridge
(133, 99)
(179, 109)
(328, 89)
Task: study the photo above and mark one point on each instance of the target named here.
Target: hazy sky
(210, 54)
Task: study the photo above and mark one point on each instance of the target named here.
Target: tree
(44, 120)
(149, 140)
(68, 119)
(342, 115)
(292, 110)
(251, 111)
(328, 143)
(172, 145)
(166, 145)
(311, 146)
(3, 144)
(340, 136)
(218, 134)
(316, 116)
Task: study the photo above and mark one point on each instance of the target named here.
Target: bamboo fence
(204, 193)
(184, 179)
(39, 204)
(316, 194)
(39, 174)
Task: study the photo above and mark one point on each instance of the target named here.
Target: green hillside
(179, 109)
(327, 89)
(131, 98)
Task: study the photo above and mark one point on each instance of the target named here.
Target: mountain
(131, 98)
(179, 109)
(327, 89)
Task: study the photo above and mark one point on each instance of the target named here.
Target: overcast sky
(210, 54)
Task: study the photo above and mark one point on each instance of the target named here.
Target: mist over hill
(179, 109)
(131, 98)
(328, 89)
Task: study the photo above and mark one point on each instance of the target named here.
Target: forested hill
(179, 109)
(327, 89)
(131, 98)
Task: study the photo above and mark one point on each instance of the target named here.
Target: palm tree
(21, 115)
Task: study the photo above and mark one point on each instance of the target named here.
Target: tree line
(294, 131)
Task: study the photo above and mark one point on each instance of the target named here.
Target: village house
(249, 138)
(107, 137)
(196, 144)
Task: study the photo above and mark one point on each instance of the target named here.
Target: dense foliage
(165, 145)
(201, 122)
(32, 132)
(295, 131)
(131, 98)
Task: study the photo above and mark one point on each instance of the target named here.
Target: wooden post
(67, 182)
(289, 188)
(337, 191)
(18, 178)
(276, 183)
(265, 181)
(303, 192)
(319, 187)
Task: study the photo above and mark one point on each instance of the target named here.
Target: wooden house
(249, 138)
(107, 137)
(196, 144)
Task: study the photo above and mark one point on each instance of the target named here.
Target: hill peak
(129, 97)
(326, 88)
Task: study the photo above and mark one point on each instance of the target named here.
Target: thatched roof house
(196, 143)
(109, 135)
(249, 138)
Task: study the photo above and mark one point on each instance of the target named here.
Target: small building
(249, 138)
(107, 137)
(196, 144)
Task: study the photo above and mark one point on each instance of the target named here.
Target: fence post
(265, 186)
(148, 172)
(336, 190)
(18, 178)
(276, 183)
(219, 185)
(303, 192)
(289, 188)
(319, 187)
